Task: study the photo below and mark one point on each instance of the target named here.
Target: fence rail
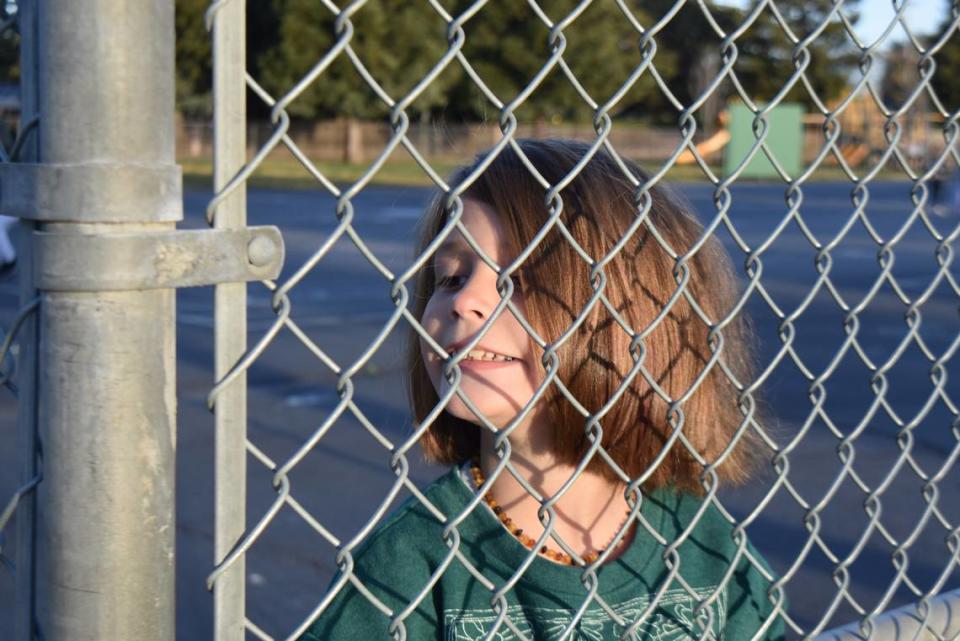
(357, 142)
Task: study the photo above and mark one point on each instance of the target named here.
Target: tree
(9, 46)
(765, 60)
(194, 80)
(194, 90)
(948, 64)
(901, 76)
(398, 42)
(692, 41)
(507, 44)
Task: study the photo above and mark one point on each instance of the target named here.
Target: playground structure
(709, 149)
(862, 136)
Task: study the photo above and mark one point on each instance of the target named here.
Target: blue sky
(923, 17)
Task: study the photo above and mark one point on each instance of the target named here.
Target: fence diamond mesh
(835, 461)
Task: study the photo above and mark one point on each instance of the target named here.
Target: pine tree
(193, 50)
(508, 44)
(398, 43)
(766, 55)
(944, 81)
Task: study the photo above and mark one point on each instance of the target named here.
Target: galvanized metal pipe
(904, 624)
(230, 309)
(105, 566)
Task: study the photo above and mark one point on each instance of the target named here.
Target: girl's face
(498, 375)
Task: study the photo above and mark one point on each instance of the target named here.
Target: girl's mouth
(482, 358)
(479, 355)
(467, 364)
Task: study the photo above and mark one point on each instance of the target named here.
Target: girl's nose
(476, 298)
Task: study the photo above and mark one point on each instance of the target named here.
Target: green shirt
(399, 558)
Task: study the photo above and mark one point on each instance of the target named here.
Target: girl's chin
(495, 416)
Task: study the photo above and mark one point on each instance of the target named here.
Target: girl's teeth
(486, 356)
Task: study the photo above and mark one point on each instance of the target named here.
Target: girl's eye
(517, 287)
(449, 282)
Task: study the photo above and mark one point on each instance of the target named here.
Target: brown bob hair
(599, 205)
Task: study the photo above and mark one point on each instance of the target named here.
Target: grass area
(290, 174)
(287, 173)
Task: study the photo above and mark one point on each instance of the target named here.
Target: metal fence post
(105, 547)
(230, 305)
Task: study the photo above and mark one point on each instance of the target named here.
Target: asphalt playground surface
(344, 302)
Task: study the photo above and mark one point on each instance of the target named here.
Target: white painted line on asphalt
(311, 399)
(395, 213)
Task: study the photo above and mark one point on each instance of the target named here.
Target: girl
(589, 417)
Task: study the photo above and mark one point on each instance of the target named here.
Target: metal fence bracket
(156, 260)
(91, 192)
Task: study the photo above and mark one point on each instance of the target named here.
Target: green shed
(784, 140)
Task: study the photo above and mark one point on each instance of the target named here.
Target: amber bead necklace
(528, 542)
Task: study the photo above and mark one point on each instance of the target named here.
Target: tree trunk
(353, 142)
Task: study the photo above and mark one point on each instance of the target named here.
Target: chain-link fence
(849, 286)
(836, 554)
